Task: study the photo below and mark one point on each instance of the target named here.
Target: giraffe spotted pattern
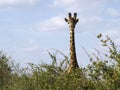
(72, 21)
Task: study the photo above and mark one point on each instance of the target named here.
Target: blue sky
(30, 27)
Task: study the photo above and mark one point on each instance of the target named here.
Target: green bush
(5, 71)
(103, 73)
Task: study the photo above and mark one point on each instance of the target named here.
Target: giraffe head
(72, 21)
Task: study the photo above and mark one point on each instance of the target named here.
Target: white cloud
(62, 2)
(93, 19)
(91, 15)
(16, 3)
(112, 33)
(86, 6)
(30, 46)
(90, 23)
(57, 23)
(54, 23)
(30, 49)
(113, 12)
(79, 5)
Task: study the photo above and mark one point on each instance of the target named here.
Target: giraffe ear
(77, 20)
(66, 19)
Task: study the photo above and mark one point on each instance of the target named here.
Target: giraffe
(72, 21)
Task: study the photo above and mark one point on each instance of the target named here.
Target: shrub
(103, 73)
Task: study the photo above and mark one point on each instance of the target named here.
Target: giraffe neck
(73, 59)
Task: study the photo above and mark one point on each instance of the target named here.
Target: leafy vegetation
(103, 73)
